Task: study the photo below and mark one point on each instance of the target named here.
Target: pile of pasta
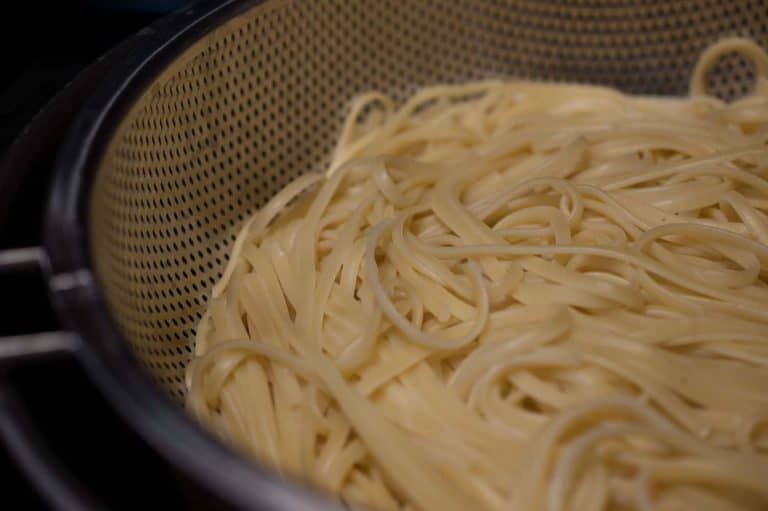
(509, 295)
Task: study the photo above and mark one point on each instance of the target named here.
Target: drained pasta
(510, 296)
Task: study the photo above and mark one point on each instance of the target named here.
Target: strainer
(220, 105)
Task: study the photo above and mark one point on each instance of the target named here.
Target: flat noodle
(510, 295)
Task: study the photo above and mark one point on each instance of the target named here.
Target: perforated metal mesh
(259, 100)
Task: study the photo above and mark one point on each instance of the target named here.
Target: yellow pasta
(510, 295)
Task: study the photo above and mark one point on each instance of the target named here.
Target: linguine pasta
(510, 296)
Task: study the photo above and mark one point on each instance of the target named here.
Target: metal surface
(258, 101)
(19, 348)
(23, 259)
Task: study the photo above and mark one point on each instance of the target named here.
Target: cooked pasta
(510, 295)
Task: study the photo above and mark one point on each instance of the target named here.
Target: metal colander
(202, 117)
(258, 100)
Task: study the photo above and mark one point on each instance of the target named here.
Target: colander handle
(18, 348)
(17, 431)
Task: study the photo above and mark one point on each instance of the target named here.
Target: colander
(218, 106)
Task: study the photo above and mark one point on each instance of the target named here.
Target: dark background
(46, 45)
